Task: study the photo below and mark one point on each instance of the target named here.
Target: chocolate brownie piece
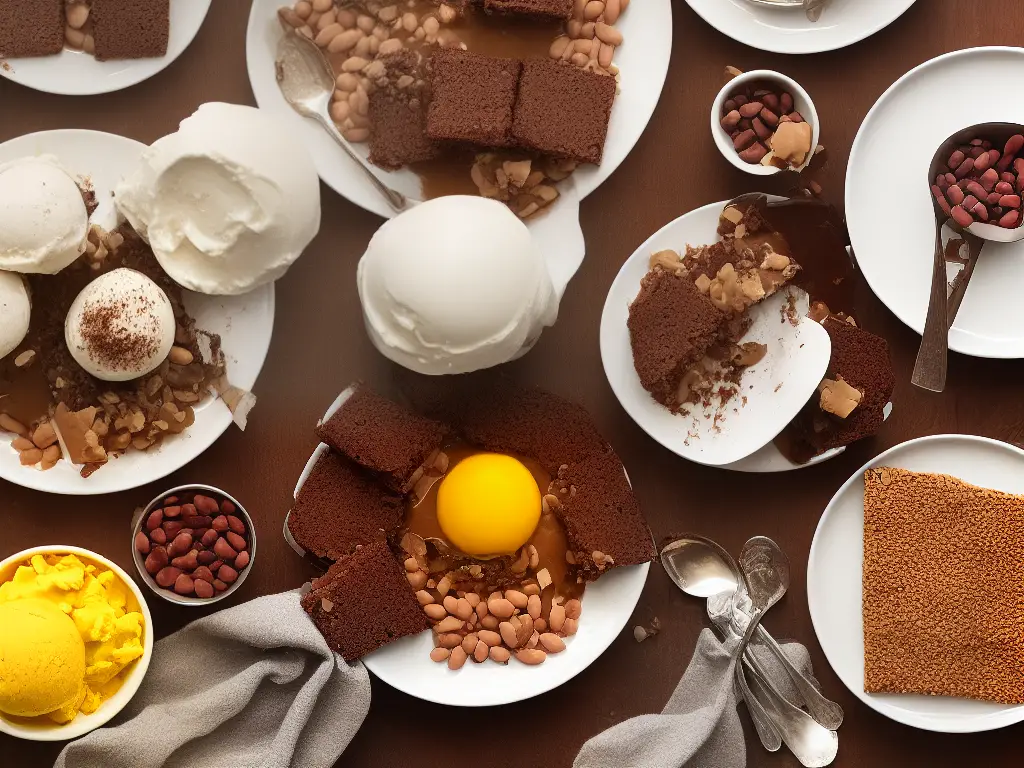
(672, 325)
(340, 507)
(398, 114)
(131, 29)
(602, 517)
(382, 436)
(31, 28)
(542, 9)
(472, 97)
(562, 110)
(364, 602)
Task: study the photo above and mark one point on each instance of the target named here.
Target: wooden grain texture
(319, 346)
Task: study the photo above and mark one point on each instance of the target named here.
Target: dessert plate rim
(102, 158)
(835, 570)
(75, 73)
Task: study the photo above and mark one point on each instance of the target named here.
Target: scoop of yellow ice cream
(42, 659)
(98, 607)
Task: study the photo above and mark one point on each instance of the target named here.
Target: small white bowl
(38, 729)
(801, 102)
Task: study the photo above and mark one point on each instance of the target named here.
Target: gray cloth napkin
(699, 727)
(254, 685)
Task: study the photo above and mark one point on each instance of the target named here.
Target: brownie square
(131, 29)
(562, 110)
(472, 97)
(364, 602)
(544, 9)
(398, 115)
(382, 436)
(31, 28)
(340, 507)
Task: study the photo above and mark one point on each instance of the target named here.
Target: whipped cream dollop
(454, 285)
(228, 202)
(43, 219)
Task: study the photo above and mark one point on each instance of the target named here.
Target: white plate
(668, 429)
(75, 73)
(643, 60)
(244, 322)
(405, 664)
(835, 572)
(896, 143)
(788, 30)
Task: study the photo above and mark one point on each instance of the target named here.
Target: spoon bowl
(700, 567)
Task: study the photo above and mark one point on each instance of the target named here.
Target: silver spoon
(701, 568)
(306, 81)
(946, 294)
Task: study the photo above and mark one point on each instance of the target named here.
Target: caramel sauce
(548, 537)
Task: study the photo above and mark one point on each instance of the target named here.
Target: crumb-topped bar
(131, 29)
(472, 97)
(31, 28)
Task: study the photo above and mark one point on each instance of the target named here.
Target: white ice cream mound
(15, 312)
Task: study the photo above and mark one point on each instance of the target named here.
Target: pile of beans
(196, 548)
(983, 184)
(751, 116)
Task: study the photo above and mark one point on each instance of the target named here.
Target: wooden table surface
(320, 346)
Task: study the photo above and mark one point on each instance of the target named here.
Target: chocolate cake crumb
(472, 97)
(130, 29)
(541, 9)
(398, 113)
(382, 436)
(562, 110)
(364, 602)
(31, 28)
(341, 507)
(943, 587)
(601, 515)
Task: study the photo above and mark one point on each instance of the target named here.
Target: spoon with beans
(976, 179)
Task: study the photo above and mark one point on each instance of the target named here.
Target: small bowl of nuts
(764, 122)
(193, 545)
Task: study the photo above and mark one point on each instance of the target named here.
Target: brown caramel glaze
(549, 538)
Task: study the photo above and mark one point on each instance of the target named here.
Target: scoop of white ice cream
(43, 221)
(15, 312)
(455, 285)
(228, 202)
(121, 326)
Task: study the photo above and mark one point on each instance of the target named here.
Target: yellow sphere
(488, 504)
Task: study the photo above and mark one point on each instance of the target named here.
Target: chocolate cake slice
(539, 9)
(562, 110)
(341, 507)
(472, 96)
(31, 28)
(602, 517)
(672, 325)
(131, 29)
(382, 436)
(364, 602)
(398, 113)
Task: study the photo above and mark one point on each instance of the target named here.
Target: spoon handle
(822, 709)
(763, 724)
(930, 368)
(396, 199)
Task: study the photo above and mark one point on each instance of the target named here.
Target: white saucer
(788, 30)
(643, 60)
(668, 429)
(74, 73)
(835, 573)
(895, 144)
(245, 324)
(405, 664)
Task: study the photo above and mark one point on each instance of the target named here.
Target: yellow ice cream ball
(488, 504)
(42, 659)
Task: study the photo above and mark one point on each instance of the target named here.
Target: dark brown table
(319, 346)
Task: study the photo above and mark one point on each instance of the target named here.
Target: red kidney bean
(1014, 144)
(993, 198)
(174, 511)
(755, 153)
(762, 130)
(955, 159)
(989, 178)
(977, 190)
(155, 518)
(980, 212)
(740, 100)
(964, 168)
(142, 543)
(1010, 201)
(969, 202)
(960, 216)
(1010, 219)
(731, 120)
(751, 109)
(1004, 187)
(955, 195)
(982, 161)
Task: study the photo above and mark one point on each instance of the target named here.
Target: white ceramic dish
(405, 664)
(244, 322)
(643, 60)
(672, 431)
(788, 30)
(896, 142)
(835, 573)
(82, 724)
(801, 102)
(74, 73)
